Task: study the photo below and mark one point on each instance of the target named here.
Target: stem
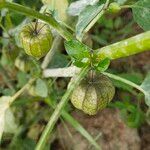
(133, 45)
(124, 81)
(32, 13)
(74, 123)
(126, 6)
(61, 72)
(16, 95)
(53, 119)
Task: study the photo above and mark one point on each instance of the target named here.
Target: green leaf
(41, 88)
(22, 79)
(86, 17)
(132, 115)
(146, 87)
(103, 65)
(141, 13)
(79, 52)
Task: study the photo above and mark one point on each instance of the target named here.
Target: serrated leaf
(146, 87)
(75, 8)
(103, 65)
(4, 105)
(86, 16)
(141, 13)
(41, 88)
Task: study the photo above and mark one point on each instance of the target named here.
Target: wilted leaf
(141, 13)
(146, 87)
(10, 125)
(4, 105)
(41, 88)
(76, 7)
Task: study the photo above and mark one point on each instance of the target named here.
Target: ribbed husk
(90, 97)
(36, 45)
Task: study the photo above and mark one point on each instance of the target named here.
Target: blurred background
(123, 125)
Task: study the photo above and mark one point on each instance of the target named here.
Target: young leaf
(103, 65)
(79, 52)
(41, 88)
(141, 13)
(86, 16)
(146, 87)
(76, 7)
(4, 105)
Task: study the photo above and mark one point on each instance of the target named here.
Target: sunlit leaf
(76, 7)
(103, 65)
(4, 105)
(85, 17)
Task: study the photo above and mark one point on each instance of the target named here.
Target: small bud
(114, 7)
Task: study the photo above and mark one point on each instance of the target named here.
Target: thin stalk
(32, 13)
(130, 46)
(17, 94)
(115, 77)
(53, 119)
(74, 123)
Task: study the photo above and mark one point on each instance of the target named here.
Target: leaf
(76, 7)
(141, 13)
(86, 16)
(79, 52)
(146, 87)
(134, 77)
(59, 61)
(10, 125)
(41, 88)
(22, 79)
(103, 65)
(4, 105)
(59, 6)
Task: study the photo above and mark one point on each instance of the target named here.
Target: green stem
(32, 13)
(115, 77)
(53, 119)
(74, 123)
(133, 45)
(17, 94)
